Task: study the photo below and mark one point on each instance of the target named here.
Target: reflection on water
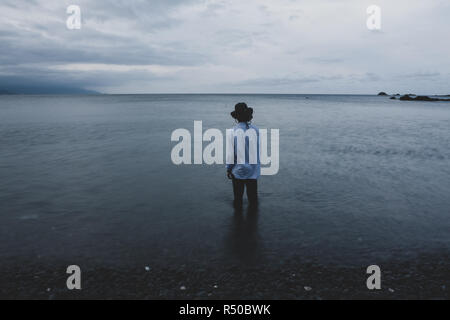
(243, 239)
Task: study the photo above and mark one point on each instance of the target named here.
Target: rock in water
(382, 93)
(425, 98)
(406, 97)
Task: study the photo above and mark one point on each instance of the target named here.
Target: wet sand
(424, 278)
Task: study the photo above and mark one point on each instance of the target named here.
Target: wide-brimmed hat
(242, 111)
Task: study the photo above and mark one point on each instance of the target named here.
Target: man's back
(246, 165)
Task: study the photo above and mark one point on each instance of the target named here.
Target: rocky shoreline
(414, 97)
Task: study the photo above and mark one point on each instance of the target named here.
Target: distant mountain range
(5, 92)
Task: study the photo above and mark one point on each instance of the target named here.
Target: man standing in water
(246, 167)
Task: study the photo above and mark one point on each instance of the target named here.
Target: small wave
(29, 217)
(427, 153)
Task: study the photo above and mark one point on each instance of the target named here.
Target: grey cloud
(327, 60)
(63, 45)
(287, 80)
(420, 75)
(282, 44)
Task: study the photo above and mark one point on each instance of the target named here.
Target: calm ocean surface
(89, 179)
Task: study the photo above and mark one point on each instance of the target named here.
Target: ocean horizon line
(195, 93)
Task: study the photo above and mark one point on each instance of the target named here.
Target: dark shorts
(252, 190)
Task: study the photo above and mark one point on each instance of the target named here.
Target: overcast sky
(227, 46)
